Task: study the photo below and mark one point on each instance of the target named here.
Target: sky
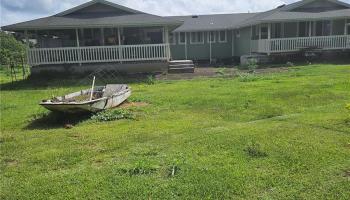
(14, 11)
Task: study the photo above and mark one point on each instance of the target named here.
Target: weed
(247, 77)
(221, 71)
(290, 64)
(254, 150)
(150, 80)
(111, 115)
(252, 65)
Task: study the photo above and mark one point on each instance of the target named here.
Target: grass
(278, 136)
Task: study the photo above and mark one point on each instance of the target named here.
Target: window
(323, 28)
(276, 30)
(327, 27)
(264, 32)
(222, 36)
(197, 37)
(304, 29)
(172, 38)
(348, 29)
(255, 32)
(182, 38)
(211, 37)
(238, 33)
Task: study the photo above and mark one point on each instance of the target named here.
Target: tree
(11, 50)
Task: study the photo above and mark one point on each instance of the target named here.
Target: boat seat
(112, 89)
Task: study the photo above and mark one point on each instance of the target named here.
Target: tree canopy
(12, 50)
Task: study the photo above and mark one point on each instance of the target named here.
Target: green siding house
(103, 32)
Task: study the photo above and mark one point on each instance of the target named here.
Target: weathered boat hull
(93, 106)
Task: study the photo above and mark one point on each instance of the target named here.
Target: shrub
(252, 65)
(221, 71)
(111, 115)
(254, 150)
(247, 77)
(150, 80)
(348, 106)
(290, 64)
(11, 50)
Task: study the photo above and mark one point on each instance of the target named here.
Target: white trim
(179, 38)
(82, 6)
(200, 42)
(172, 40)
(209, 36)
(219, 39)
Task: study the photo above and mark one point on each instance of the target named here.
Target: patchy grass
(280, 136)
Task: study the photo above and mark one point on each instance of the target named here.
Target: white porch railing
(297, 44)
(122, 53)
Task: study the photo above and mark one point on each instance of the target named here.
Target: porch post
(251, 38)
(120, 48)
(269, 38)
(27, 43)
(166, 32)
(233, 43)
(259, 31)
(102, 37)
(346, 27)
(27, 39)
(77, 37)
(78, 45)
(310, 28)
(210, 47)
(186, 53)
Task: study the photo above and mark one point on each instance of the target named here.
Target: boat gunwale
(84, 102)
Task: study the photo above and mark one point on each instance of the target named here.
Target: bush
(11, 51)
(254, 150)
(252, 65)
(150, 80)
(348, 106)
(111, 115)
(290, 64)
(247, 77)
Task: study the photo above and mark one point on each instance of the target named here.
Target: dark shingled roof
(73, 18)
(116, 16)
(211, 22)
(55, 22)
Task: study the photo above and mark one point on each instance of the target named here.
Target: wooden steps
(181, 66)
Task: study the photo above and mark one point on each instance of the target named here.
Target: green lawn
(275, 136)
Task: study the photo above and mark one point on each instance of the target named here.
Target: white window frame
(197, 42)
(209, 35)
(173, 41)
(219, 38)
(179, 37)
(238, 33)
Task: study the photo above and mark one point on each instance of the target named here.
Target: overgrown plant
(252, 65)
(150, 80)
(254, 150)
(111, 115)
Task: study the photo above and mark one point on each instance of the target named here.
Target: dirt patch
(11, 162)
(217, 72)
(347, 173)
(199, 72)
(133, 104)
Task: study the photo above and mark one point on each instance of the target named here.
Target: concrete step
(178, 62)
(181, 70)
(180, 65)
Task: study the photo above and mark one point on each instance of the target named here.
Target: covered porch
(93, 45)
(282, 37)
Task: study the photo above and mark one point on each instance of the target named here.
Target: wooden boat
(102, 98)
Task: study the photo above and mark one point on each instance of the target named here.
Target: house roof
(117, 15)
(210, 22)
(286, 13)
(74, 18)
